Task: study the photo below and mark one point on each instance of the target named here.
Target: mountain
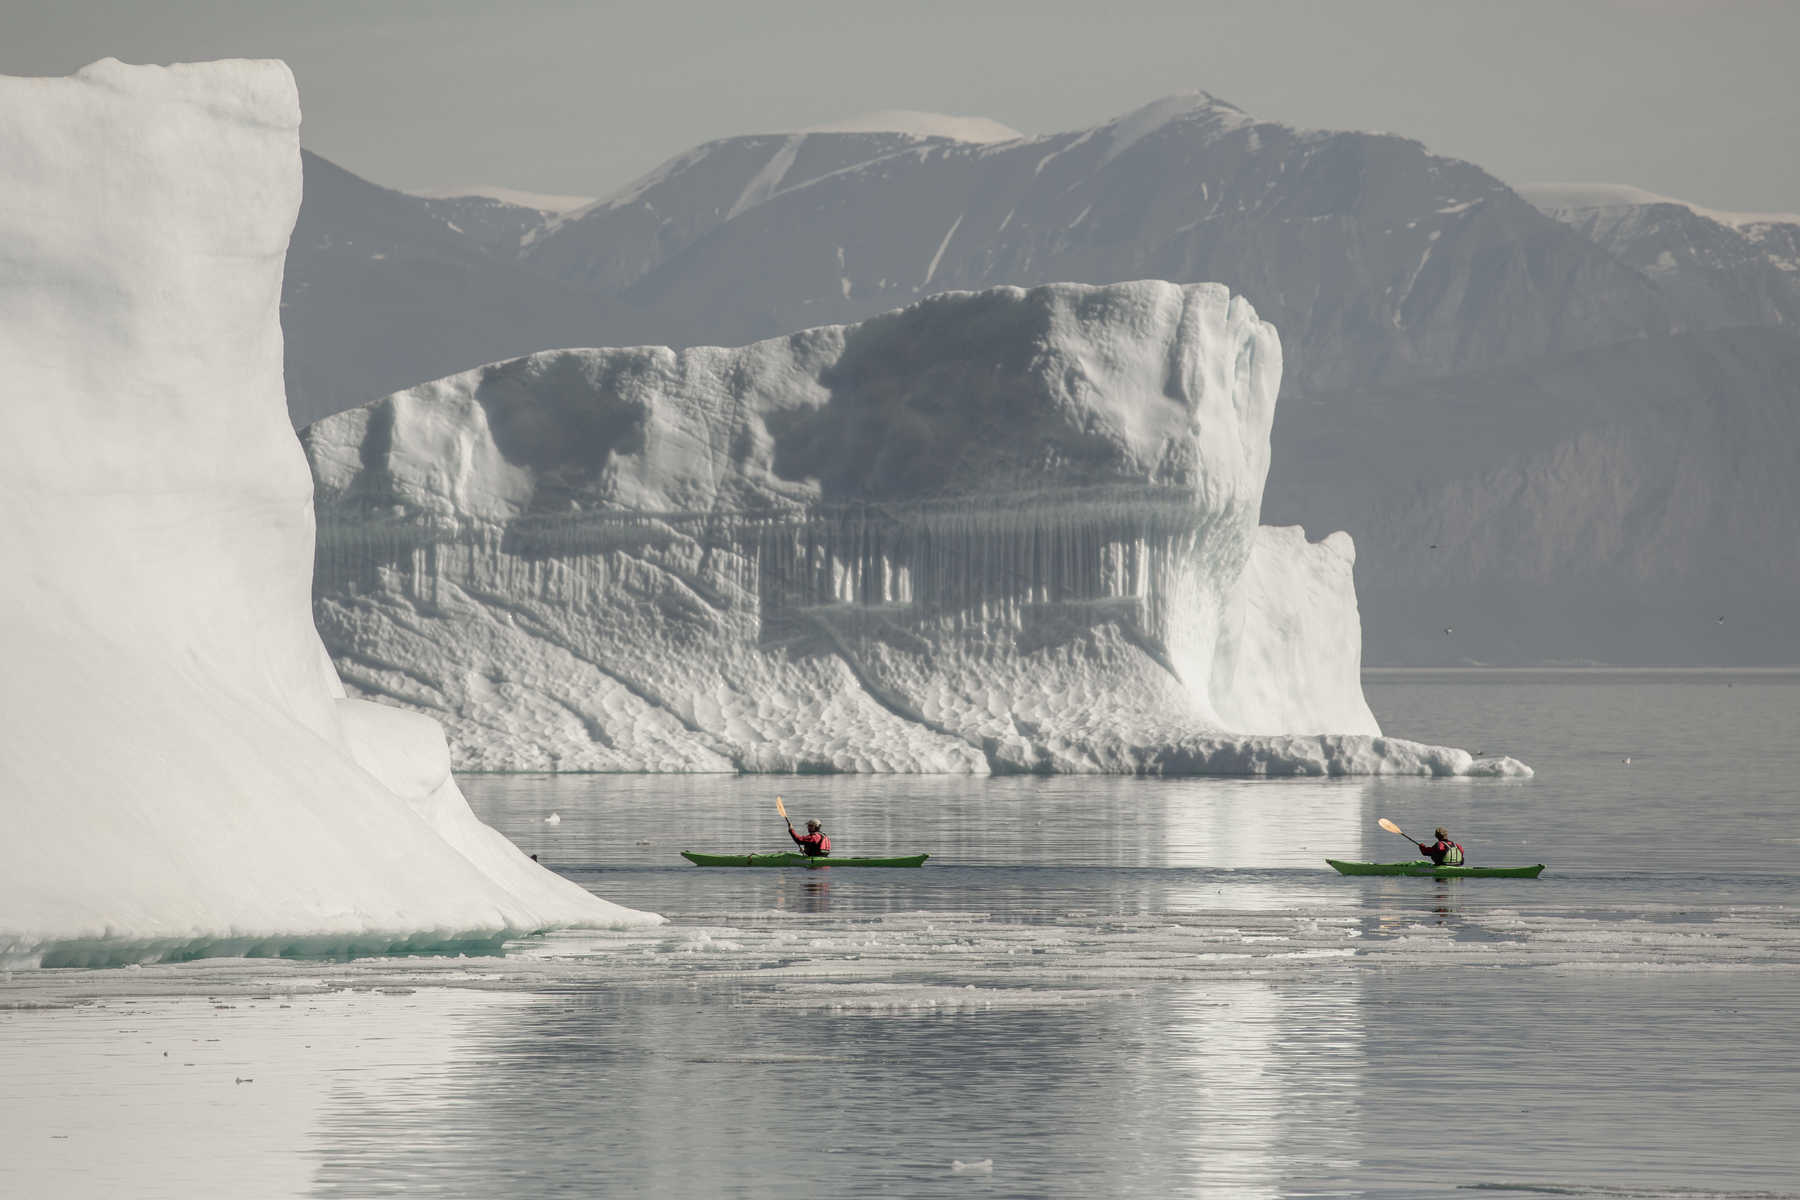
(617, 242)
(1629, 504)
(1397, 278)
(1778, 237)
(499, 227)
(1377, 260)
(383, 289)
(1717, 269)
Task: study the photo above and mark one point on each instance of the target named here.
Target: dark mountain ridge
(1450, 348)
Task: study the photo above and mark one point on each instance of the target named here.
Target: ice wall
(999, 531)
(182, 772)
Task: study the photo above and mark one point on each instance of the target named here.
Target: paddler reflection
(810, 893)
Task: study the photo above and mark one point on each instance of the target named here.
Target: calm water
(1097, 987)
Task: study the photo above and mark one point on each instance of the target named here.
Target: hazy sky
(1697, 100)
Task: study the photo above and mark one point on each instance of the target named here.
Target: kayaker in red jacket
(815, 844)
(1443, 852)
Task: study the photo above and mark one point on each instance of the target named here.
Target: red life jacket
(816, 845)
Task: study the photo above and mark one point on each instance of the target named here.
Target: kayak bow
(780, 859)
(1422, 866)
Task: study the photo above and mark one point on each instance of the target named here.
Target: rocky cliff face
(1005, 531)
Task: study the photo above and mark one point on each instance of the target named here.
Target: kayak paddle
(783, 811)
(1393, 828)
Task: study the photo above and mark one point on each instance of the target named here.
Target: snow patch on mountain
(1553, 197)
(978, 130)
(1720, 269)
(1202, 107)
(763, 184)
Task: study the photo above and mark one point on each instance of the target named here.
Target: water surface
(1107, 987)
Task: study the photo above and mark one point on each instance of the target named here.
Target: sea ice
(183, 773)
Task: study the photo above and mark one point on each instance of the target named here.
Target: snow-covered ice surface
(183, 773)
(1007, 531)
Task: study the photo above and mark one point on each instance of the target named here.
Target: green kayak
(1423, 866)
(779, 859)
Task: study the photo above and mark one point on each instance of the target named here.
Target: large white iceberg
(181, 770)
(1002, 531)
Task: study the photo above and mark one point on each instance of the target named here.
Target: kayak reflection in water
(1443, 852)
(815, 844)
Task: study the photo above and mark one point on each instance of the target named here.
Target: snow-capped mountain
(1378, 260)
(620, 240)
(1717, 269)
(922, 125)
(1778, 237)
(1389, 271)
(500, 227)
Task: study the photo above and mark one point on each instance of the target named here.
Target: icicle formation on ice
(182, 773)
(999, 531)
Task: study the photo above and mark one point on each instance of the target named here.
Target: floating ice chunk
(982, 1167)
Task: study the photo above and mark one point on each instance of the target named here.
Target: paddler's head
(813, 824)
(1443, 834)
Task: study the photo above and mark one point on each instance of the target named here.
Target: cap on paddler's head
(1442, 832)
(812, 824)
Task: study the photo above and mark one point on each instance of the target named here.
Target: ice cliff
(1000, 531)
(182, 772)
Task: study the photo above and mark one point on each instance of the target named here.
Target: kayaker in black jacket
(815, 844)
(1443, 852)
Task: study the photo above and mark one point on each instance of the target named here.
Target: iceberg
(183, 773)
(993, 532)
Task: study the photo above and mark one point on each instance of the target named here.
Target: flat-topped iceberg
(992, 532)
(182, 773)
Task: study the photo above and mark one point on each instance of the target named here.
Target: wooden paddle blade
(1390, 826)
(780, 809)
